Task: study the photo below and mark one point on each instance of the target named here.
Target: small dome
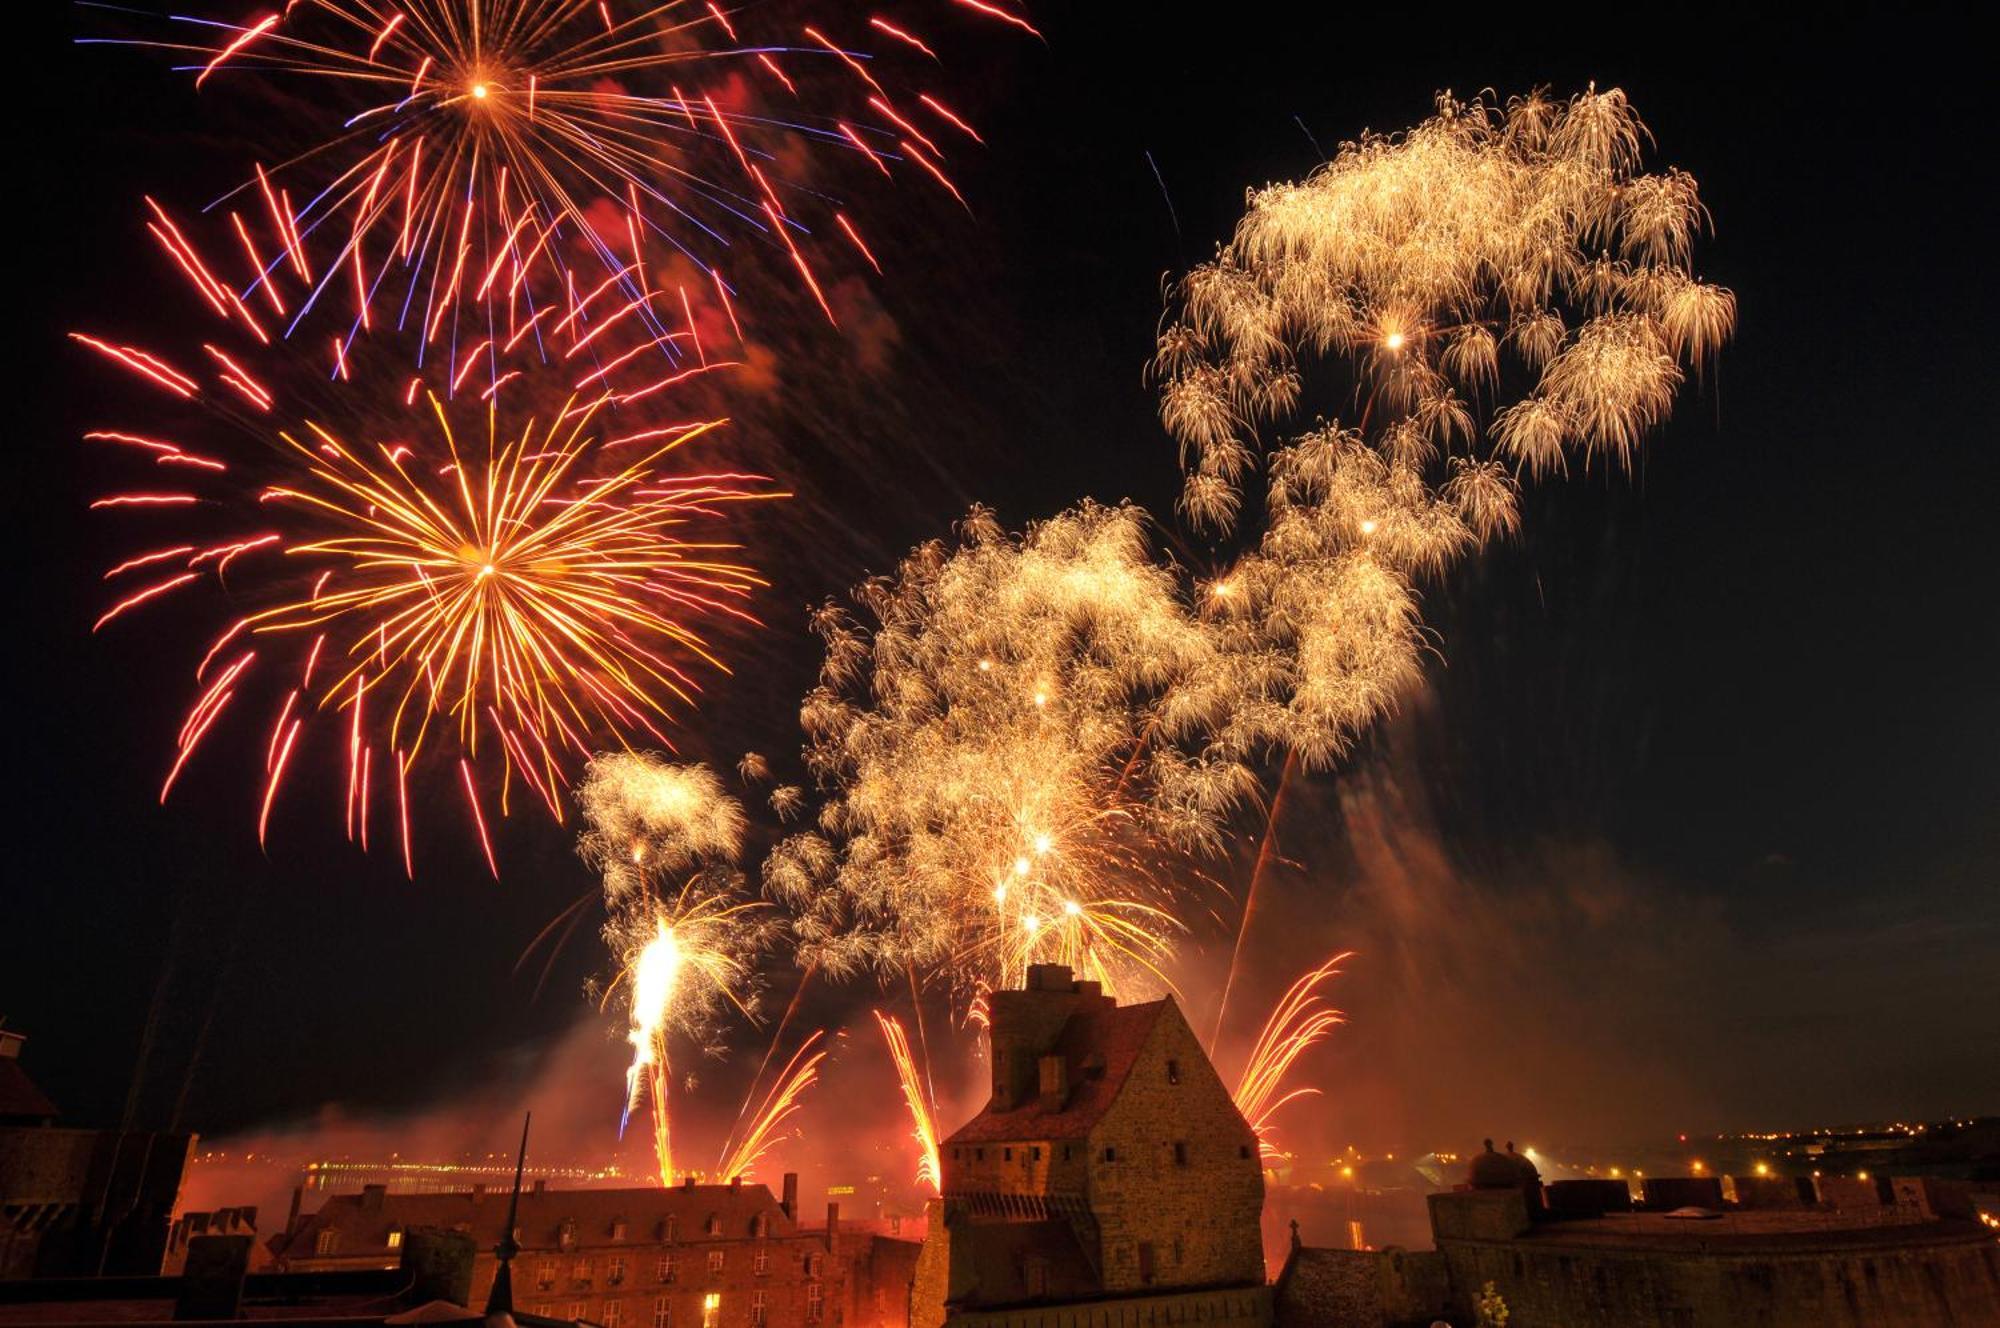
(1492, 1171)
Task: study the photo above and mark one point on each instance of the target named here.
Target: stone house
(1109, 1167)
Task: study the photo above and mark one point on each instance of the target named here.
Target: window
(1006, 1155)
(760, 1225)
(979, 1154)
(395, 1240)
(760, 1262)
(711, 1310)
(1180, 1152)
(618, 1228)
(581, 1272)
(1035, 1153)
(663, 1312)
(1173, 1072)
(614, 1272)
(663, 1268)
(714, 1224)
(715, 1261)
(1035, 1273)
(566, 1233)
(1146, 1262)
(668, 1229)
(1065, 1152)
(1243, 1150)
(326, 1242)
(545, 1274)
(1110, 1153)
(614, 1313)
(575, 1311)
(757, 1308)
(815, 1302)
(545, 1310)
(813, 1265)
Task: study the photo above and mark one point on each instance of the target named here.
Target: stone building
(79, 1202)
(1781, 1255)
(694, 1256)
(1109, 1172)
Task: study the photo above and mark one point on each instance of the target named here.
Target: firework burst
(1001, 799)
(1298, 1022)
(923, 1118)
(471, 165)
(1499, 286)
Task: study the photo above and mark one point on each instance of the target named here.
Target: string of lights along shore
(999, 664)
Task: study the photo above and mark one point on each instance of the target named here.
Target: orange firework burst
(481, 159)
(511, 598)
(923, 1119)
(1300, 1021)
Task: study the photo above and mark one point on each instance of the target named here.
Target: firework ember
(780, 1104)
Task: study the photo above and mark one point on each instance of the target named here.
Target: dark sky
(1709, 752)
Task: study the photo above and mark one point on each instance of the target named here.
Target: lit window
(815, 1302)
(711, 1310)
(326, 1242)
(715, 1261)
(663, 1269)
(760, 1263)
(576, 1308)
(395, 1240)
(614, 1271)
(614, 1313)
(581, 1271)
(663, 1312)
(757, 1308)
(545, 1275)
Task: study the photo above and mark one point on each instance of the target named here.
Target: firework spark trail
(923, 1120)
(470, 164)
(780, 1104)
(687, 951)
(979, 738)
(1298, 1022)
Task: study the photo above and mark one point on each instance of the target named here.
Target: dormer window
(714, 1224)
(760, 1225)
(618, 1228)
(566, 1234)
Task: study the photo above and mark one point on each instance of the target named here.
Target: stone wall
(1185, 1179)
(1549, 1285)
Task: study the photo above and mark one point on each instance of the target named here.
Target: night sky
(1695, 823)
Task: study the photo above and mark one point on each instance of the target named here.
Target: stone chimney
(832, 1227)
(1054, 1082)
(541, 1186)
(1024, 1026)
(790, 1203)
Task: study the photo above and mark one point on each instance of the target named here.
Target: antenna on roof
(500, 1300)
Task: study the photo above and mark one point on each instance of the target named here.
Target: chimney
(298, 1200)
(1023, 1026)
(541, 1186)
(479, 1192)
(735, 1182)
(1054, 1075)
(372, 1197)
(832, 1227)
(791, 1200)
(687, 1181)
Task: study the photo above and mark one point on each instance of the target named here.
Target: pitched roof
(19, 1098)
(1098, 1045)
(364, 1221)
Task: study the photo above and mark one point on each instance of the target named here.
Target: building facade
(693, 1256)
(1109, 1167)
